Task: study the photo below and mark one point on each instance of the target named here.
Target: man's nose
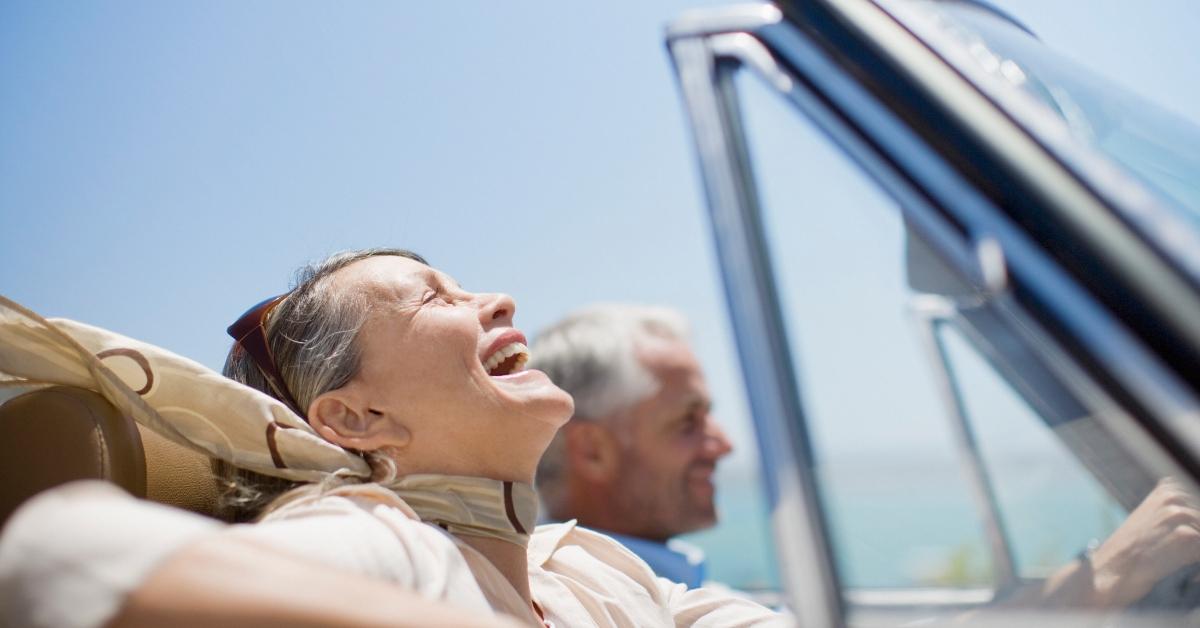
(716, 443)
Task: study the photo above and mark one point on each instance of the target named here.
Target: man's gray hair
(592, 354)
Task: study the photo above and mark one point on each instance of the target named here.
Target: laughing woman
(385, 355)
(395, 364)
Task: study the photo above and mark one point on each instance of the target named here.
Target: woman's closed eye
(441, 295)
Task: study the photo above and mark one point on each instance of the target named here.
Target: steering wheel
(1180, 590)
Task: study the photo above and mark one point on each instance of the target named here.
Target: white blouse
(71, 555)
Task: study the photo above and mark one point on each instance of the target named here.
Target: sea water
(912, 523)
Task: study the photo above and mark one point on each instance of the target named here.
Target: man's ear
(341, 419)
(592, 449)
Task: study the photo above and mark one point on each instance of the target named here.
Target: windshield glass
(1157, 148)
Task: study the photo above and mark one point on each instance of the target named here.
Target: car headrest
(55, 435)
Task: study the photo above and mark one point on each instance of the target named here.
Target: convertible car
(963, 275)
(964, 278)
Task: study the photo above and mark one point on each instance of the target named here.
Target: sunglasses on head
(250, 333)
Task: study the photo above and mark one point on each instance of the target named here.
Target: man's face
(669, 445)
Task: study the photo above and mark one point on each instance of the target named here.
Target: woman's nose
(497, 306)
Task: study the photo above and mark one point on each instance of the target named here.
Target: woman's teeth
(510, 359)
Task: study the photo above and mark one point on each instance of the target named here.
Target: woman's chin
(537, 396)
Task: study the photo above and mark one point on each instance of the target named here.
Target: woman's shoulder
(362, 520)
(357, 500)
(551, 537)
(601, 568)
(364, 528)
(568, 546)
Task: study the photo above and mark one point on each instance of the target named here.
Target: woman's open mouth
(506, 360)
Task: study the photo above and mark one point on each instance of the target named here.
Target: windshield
(1154, 147)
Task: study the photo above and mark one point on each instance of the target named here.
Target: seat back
(55, 435)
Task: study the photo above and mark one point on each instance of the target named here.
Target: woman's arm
(223, 581)
(86, 554)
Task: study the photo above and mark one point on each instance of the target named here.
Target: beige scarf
(205, 411)
(176, 397)
(472, 506)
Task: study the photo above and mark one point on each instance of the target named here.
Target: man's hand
(1161, 536)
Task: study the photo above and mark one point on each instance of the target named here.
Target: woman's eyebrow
(444, 280)
(432, 278)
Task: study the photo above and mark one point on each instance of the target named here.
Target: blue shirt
(674, 560)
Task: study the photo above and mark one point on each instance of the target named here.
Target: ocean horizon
(909, 522)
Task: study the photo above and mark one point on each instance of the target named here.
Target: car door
(963, 280)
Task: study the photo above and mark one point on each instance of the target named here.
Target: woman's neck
(508, 558)
(494, 517)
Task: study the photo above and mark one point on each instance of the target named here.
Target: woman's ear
(340, 420)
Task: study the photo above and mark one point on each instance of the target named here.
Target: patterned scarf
(471, 506)
(183, 401)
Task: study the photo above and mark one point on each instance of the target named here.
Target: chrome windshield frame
(704, 69)
(936, 198)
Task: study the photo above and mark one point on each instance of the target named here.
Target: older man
(637, 458)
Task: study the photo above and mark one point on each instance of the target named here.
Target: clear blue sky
(165, 165)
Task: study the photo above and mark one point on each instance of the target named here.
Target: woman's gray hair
(592, 354)
(311, 335)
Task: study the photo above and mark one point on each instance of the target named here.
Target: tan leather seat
(55, 435)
